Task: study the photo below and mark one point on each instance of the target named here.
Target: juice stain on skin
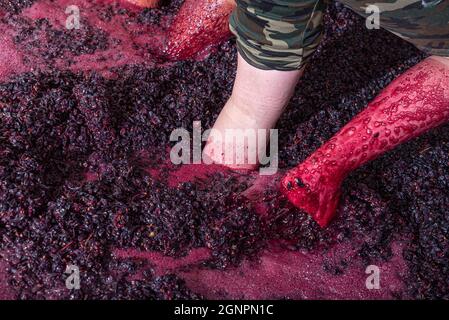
(414, 103)
(199, 25)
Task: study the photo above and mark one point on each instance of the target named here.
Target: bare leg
(415, 102)
(258, 99)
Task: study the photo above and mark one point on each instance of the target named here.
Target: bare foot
(241, 133)
(234, 139)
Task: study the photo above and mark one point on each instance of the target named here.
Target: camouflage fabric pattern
(283, 34)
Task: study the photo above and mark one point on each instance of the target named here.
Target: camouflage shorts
(282, 34)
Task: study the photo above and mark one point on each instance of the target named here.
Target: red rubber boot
(415, 102)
